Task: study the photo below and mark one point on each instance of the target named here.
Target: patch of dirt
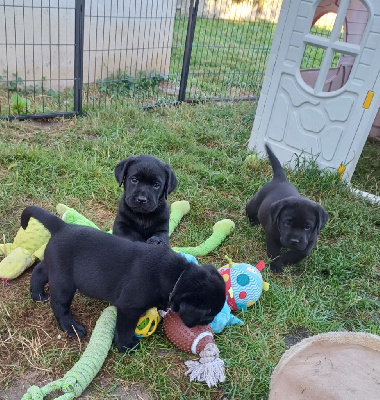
(296, 336)
(100, 215)
(3, 172)
(377, 272)
(23, 130)
(51, 125)
(100, 389)
(107, 388)
(17, 389)
(44, 124)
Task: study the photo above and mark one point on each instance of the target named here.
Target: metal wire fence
(63, 57)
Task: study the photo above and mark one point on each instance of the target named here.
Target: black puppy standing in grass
(289, 219)
(133, 276)
(143, 213)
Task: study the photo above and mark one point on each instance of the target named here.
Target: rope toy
(197, 340)
(86, 368)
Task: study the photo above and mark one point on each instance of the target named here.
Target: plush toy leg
(224, 318)
(16, 263)
(39, 253)
(73, 217)
(221, 230)
(177, 210)
(29, 244)
(24, 251)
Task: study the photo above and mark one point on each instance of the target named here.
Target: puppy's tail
(278, 171)
(50, 221)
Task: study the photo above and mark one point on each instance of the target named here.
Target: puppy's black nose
(294, 241)
(142, 199)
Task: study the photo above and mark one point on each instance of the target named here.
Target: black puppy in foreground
(143, 213)
(289, 219)
(133, 276)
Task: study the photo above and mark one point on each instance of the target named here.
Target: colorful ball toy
(147, 323)
(244, 284)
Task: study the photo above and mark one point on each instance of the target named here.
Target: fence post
(193, 11)
(78, 55)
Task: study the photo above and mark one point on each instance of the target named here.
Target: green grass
(71, 161)
(228, 57)
(367, 172)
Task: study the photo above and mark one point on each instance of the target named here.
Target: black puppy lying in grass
(133, 276)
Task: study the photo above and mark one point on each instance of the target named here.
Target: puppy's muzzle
(297, 244)
(142, 199)
(294, 242)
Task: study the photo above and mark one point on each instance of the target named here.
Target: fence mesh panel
(36, 56)
(231, 46)
(131, 50)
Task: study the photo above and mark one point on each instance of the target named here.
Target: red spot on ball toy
(242, 295)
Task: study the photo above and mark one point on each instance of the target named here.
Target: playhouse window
(324, 25)
(325, 65)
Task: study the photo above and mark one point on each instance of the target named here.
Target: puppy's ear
(121, 169)
(275, 210)
(322, 218)
(192, 310)
(171, 181)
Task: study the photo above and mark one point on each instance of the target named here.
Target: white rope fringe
(209, 368)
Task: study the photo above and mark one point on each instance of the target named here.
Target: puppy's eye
(307, 227)
(288, 224)
(134, 179)
(157, 185)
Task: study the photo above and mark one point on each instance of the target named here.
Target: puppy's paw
(253, 221)
(155, 240)
(276, 267)
(39, 297)
(133, 345)
(74, 329)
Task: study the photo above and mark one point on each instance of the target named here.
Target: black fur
(143, 213)
(290, 220)
(133, 276)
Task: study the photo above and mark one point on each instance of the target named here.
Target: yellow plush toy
(28, 246)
